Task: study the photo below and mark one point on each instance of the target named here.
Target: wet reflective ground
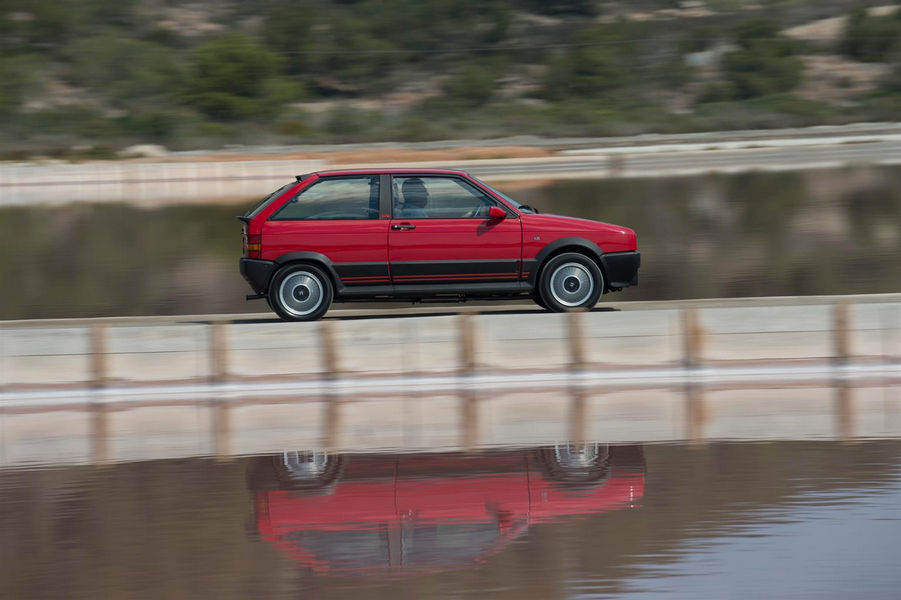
(725, 520)
(753, 234)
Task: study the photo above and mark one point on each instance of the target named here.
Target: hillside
(83, 79)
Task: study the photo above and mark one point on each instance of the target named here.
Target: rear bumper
(257, 273)
(621, 268)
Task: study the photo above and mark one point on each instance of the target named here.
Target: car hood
(549, 222)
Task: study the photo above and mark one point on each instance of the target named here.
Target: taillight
(253, 246)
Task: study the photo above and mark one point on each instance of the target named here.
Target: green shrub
(765, 62)
(233, 79)
(346, 123)
(17, 79)
(473, 85)
(598, 63)
(869, 38)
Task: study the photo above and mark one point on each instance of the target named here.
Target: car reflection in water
(362, 513)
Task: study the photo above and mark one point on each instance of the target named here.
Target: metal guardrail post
(100, 426)
(329, 347)
(99, 365)
(331, 439)
(218, 351)
(328, 344)
(221, 429)
(469, 420)
(695, 413)
(843, 408)
(331, 368)
(578, 417)
(842, 333)
(693, 355)
(692, 337)
(467, 342)
(574, 325)
(469, 400)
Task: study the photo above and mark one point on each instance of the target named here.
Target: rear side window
(265, 201)
(334, 199)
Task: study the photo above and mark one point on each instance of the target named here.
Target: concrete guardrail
(99, 391)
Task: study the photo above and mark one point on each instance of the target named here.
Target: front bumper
(621, 268)
(257, 273)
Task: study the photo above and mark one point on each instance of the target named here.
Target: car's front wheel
(300, 292)
(576, 463)
(570, 281)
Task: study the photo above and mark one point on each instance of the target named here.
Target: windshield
(514, 203)
(256, 209)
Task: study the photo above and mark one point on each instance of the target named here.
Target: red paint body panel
(364, 241)
(549, 228)
(455, 240)
(503, 493)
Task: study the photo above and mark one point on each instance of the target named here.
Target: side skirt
(431, 290)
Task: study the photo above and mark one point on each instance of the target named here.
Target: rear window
(334, 199)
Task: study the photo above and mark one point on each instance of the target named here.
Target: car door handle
(403, 226)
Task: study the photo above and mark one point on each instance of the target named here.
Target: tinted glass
(349, 548)
(265, 201)
(438, 198)
(446, 543)
(334, 199)
(515, 203)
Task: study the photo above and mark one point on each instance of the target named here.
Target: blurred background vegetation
(87, 78)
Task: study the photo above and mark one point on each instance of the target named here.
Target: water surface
(724, 520)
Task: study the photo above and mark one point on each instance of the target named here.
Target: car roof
(393, 170)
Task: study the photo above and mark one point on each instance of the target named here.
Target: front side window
(338, 199)
(424, 197)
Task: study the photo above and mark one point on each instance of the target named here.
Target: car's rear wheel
(300, 292)
(570, 281)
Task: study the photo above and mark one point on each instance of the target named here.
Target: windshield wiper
(528, 208)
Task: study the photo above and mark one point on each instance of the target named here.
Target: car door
(338, 217)
(441, 233)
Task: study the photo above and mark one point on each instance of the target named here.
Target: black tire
(575, 463)
(537, 300)
(314, 472)
(570, 281)
(300, 292)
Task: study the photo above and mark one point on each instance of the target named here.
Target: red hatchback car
(414, 234)
(371, 514)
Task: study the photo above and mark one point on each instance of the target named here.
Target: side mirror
(496, 212)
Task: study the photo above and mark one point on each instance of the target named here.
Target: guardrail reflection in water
(132, 391)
